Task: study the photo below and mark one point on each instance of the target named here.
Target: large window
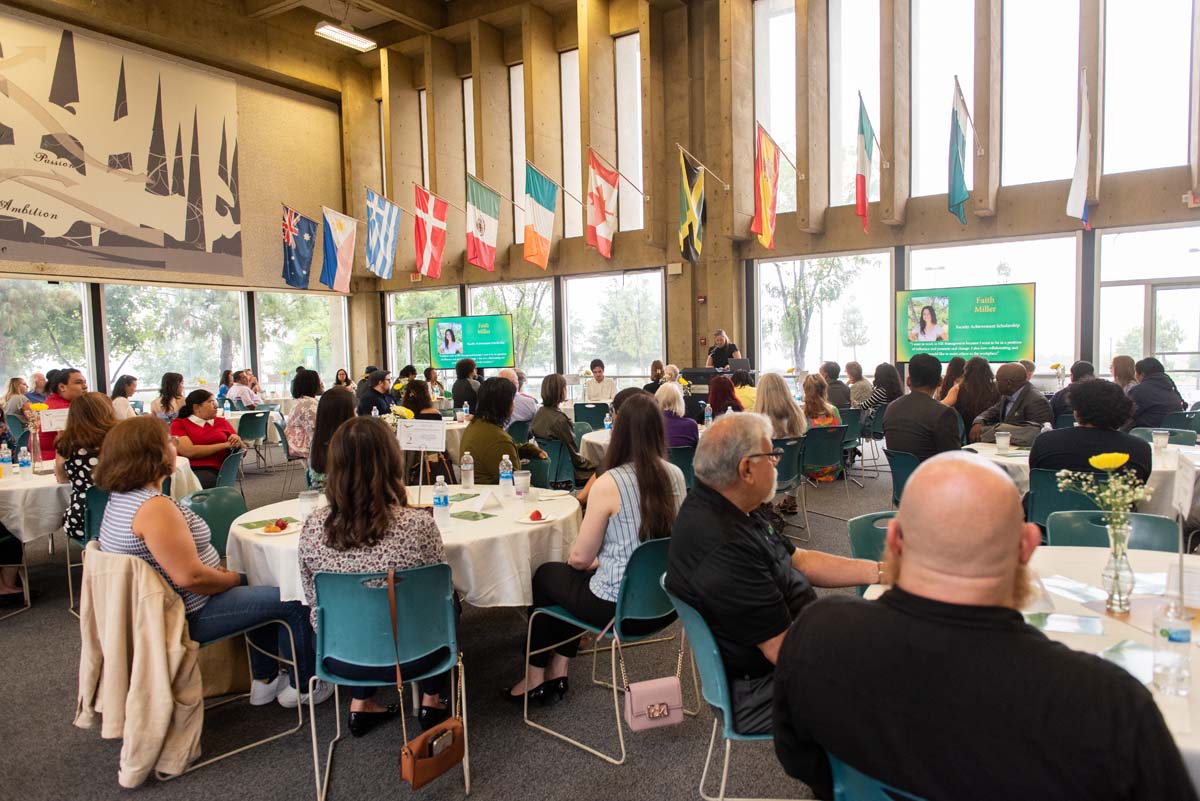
(516, 108)
(1040, 90)
(572, 145)
(853, 68)
(424, 120)
(833, 308)
(1147, 66)
(469, 123)
(629, 131)
(41, 327)
(617, 318)
(775, 86)
(297, 329)
(943, 45)
(408, 314)
(531, 304)
(1049, 263)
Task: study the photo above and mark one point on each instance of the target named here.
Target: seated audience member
(363, 385)
(342, 379)
(965, 674)
(787, 418)
(38, 393)
(1019, 405)
(77, 450)
(1124, 372)
(635, 500)
(691, 404)
(682, 432)
(225, 382)
(951, 380)
(657, 373)
(123, 390)
(820, 413)
(524, 406)
(376, 398)
(722, 397)
(743, 387)
(306, 388)
(860, 388)
(887, 386)
(436, 388)
(204, 438)
(549, 422)
(976, 393)
(396, 392)
(65, 386)
(335, 407)
(241, 391)
(466, 387)
(598, 388)
(170, 397)
(418, 401)
(368, 527)
(916, 423)
(16, 401)
(138, 521)
(1030, 368)
(485, 436)
(746, 579)
(1101, 408)
(1060, 404)
(837, 391)
(1154, 396)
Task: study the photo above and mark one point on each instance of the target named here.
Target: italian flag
(540, 196)
(866, 153)
(483, 223)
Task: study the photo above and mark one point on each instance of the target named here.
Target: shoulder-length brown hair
(365, 480)
(640, 438)
(88, 420)
(335, 407)
(135, 453)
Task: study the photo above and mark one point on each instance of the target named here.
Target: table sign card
(53, 419)
(1191, 588)
(487, 500)
(422, 435)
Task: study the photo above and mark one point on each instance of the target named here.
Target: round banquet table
(35, 508)
(272, 434)
(454, 435)
(594, 444)
(492, 560)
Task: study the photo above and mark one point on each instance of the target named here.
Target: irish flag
(540, 196)
(866, 153)
(483, 223)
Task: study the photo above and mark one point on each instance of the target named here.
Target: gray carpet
(45, 757)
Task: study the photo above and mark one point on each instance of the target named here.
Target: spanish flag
(766, 188)
(691, 207)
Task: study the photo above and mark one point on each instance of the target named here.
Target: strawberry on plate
(535, 515)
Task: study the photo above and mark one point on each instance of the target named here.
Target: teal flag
(957, 188)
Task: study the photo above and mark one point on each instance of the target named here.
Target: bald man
(1019, 405)
(524, 406)
(942, 690)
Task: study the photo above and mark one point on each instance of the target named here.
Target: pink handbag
(655, 703)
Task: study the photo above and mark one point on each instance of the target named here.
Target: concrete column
(597, 83)
(366, 325)
(493, 129)
(361, 164)
(989, 24)
(543, 104)
(402, 131)
(659, 155)
(812, 114)
(895, 109)
(447, 156)
(1091, 58)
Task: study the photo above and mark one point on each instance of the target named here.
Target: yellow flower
(40, 407)
(201, 381)
(1055, 366)
(684, 382)
(791, 370)
(402, 411)
(1108, 461)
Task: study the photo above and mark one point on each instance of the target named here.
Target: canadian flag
(601, 205)
(429, 232)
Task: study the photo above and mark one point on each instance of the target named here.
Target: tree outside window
(41, 327)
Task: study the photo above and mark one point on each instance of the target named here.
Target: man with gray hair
(524, 406)
(746, 579)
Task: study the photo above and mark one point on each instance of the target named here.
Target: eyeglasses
(774, 455)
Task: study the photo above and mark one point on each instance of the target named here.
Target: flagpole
(623, 175)
(389, 200)
(556, 183)
(498, 192)
(293, 208)
(703, 166)
(873, 135)
(780, 150)
(447, 202)
(974, 133)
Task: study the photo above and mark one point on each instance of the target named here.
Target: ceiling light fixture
(343, 36)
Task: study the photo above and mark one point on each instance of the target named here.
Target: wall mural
(112, 157)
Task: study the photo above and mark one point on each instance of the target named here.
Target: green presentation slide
(995, 322)
(486, 338)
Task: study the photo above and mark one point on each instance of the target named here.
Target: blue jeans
(241, 607)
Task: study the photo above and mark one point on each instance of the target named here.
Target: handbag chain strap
(621, 654)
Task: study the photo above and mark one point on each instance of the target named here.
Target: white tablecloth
(492, 560)
(454, 434)
(272, 434)
(594, 444)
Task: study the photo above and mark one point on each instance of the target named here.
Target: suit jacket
(1030, 407)
(839, 394)
(919, 425)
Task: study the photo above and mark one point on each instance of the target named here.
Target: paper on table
(469, 515)
(1134, 656)
(1075, 590)
(1191, 589)
(466, 496)
(53, 419)
(1150, 583)
(1066, 624)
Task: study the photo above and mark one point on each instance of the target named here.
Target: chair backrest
(682, 458)
(641, 597)
(95, 500)
(868, 537)
(1184, 420)
(787, 472)
(218, 507)
(1194, 407)
(823, 447)
(714, 685)
(137, 406)
(902, 466)
(561, 468)
(539, 472)
(354, 618)
(1065, 420)
(227, 475)
(283, 443)
(1045, 497)
(447, 413)
(253, 426)
(592, 414)
(850, 784)
(15, 424)
(852, 420)
(1087, 529)
(877, 421)
(239, 406)
(582, 428)
(1178, 436)
(519, 431)
(166, 486)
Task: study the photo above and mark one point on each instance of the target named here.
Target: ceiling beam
(261, 9)
(422, 15)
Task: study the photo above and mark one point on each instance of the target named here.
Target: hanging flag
(383, 229)
(429, 232)
(866, 154)
(766, 188)
(601, 205)
(1077, 197)
(483, 224)
(338, 255)
(299, 239)
(541, 195)
(691, 207)
(960, 123)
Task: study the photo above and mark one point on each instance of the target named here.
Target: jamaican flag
(691, 207)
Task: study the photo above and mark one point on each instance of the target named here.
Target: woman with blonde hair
(682, 431)
(776, 402)
(821, 414)
(1123, 372)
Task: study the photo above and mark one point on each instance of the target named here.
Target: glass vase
(35, 442)
(1118, 574)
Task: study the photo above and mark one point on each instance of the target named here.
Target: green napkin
(271, 522)
(463, 496)
(471, 515)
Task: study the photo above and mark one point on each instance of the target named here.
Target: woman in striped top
(138, 521)
(635, 500)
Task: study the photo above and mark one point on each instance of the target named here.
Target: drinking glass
(308, 502)
(1003, 440)
(1161, 439)
(521, 479)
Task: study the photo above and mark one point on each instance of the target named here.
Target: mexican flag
(483, 224)
(866, 153)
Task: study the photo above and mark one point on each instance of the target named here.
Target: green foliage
(531, 304)
(628, 331)
(290, 326)
(803, 288)
(41, 327)
(1169, 335)
(418, 307)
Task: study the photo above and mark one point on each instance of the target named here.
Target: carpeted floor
(45, 757)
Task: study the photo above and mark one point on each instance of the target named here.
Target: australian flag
(299, 238)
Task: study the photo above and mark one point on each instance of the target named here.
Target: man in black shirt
(466, 388)
(942, 690)
(1060, 404)
(1100, 409)
(376, 397)
(747, 580)
(916, 423)
(1154, 395)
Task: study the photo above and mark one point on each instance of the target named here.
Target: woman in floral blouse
(368, 527)
(300, 423)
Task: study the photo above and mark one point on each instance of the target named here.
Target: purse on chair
(654, 703)
(436, 751)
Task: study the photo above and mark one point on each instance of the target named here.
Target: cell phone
(441, 743)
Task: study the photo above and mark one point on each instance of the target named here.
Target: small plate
(289, 530)
(524, 518)
(549, 494)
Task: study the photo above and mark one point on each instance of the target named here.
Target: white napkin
(487, 499)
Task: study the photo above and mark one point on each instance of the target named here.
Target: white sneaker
(264, 692)
(289, 697)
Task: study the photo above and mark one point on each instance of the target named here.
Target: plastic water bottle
(466, 410)
(467, 468)
(708, 415)
(608, 421)
(5, 461)
(26, 465)
(1046, 427)
(1172, 648)
(375, 412)
(507, 489)
(441, 502)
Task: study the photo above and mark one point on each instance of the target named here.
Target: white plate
(547, 494)
(545, 519)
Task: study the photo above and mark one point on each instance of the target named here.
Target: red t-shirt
(218, 430)
(46, 438)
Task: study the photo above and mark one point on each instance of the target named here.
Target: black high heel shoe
(363, 722)
(543, 694)
(430, 716)
(558, 686)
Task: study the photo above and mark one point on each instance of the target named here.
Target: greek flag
(383, 226)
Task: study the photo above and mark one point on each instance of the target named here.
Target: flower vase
(35, 442)
(1118, 574)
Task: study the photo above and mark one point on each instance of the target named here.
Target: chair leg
(71, 579)
(322, 782)
(601, 682)
(23, 572)
(462, 712)
(724, 771)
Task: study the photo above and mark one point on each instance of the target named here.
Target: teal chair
(1045, 498)
(1150, 532)
(592, 414)
(252, 428)
(95, 500)
(166, 486)
(16, 425)
(137, 406)
(354, 626)
(539, 472)
(288, 457)
(852, 420)
(851, 785)
(23, 571)
(583, 428)
(1194, 407)
(227, 476)
(1065, 420)
(1178, 436)
(682, 458)
(447, 414)
(218, 507)
(787, 474)
(714, 686)
(519, 431)
(561, 468)
(868, 538)
(902, 466)
(1184, 420)
(873, 435)
(239, 406)
(641, 598)
(822, 449)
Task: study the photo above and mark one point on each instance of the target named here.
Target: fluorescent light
(327, 30)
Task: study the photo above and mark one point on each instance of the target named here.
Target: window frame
(564, 309)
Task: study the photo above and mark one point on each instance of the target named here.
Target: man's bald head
(1010, 378)
(510, 374)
